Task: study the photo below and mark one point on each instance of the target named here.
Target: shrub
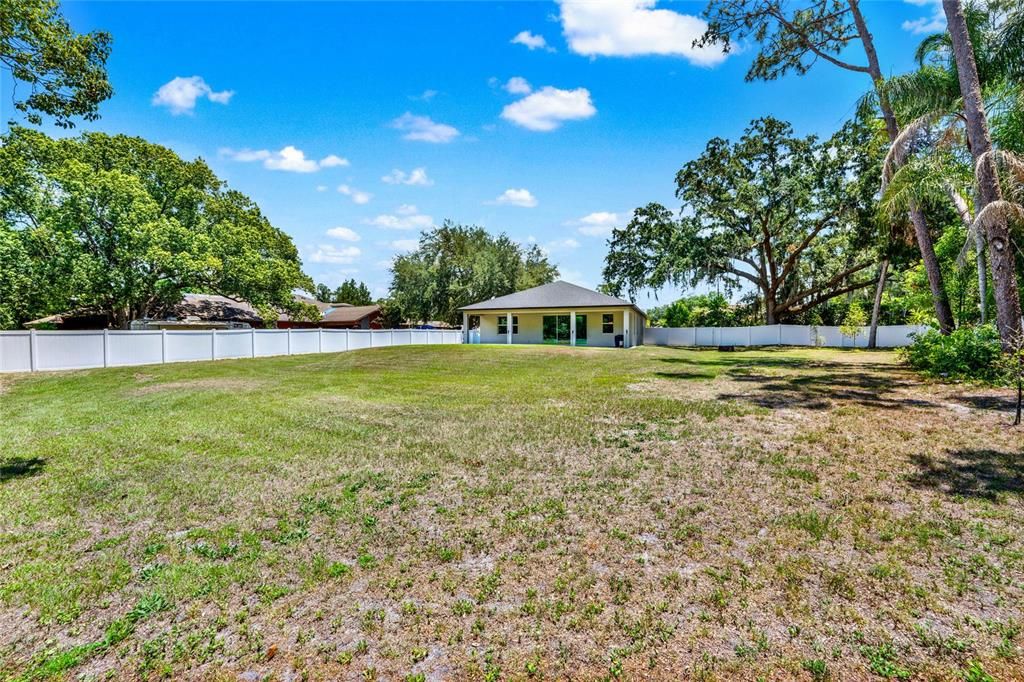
(971, 353)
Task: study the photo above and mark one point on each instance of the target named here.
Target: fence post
(391, 336)
(106, 349)
(252, 341)
(346, 340)
(33, 351)
(780, 333)
(289, 340)
(213, 344)
(319, 340)
(163, 346)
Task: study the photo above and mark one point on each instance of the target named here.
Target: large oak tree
(122, 227)
(794, 37)
(786, 215)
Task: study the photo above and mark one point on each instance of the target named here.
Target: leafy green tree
(793, 38)
(122, 227)
(65, 72)
(352, 292)
(704, 310)
(323, 293)
(779, 213)
(456, 265)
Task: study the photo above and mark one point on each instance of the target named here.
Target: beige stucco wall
(531, 326)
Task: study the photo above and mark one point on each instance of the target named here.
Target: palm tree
(930, 98)
(992, 211)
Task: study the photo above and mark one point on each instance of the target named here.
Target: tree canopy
(122, 227)
(350, 291)
(456, 265)
(787, 215)
(65, 72)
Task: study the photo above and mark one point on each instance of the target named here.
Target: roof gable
(554, 295)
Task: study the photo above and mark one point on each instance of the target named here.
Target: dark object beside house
(618, 340)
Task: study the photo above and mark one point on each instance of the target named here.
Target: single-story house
(558, 313)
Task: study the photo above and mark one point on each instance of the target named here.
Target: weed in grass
(883, 660)
(818, 526)
(817, 668)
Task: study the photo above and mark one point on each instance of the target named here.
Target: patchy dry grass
(510, 513)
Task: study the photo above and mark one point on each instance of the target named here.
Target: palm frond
(929, 89)
(899, 150)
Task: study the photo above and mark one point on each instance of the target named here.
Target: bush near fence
(30, 351)
(890, 336)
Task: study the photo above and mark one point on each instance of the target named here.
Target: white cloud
(333, 161)
(180, 94)
(405, 244)
(289, 158)
(517, 85)
(402, 219)
(423, 129)
(327, 253)
(417, 176)
(357, 196)
(343, 233)
(517, 197)
(627, 28)
(531, 41)
(321, 188)
(930, 24)
(567, 244)
(425, 96)
(598, 224)
(547, 108)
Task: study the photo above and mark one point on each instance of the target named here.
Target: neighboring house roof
(343, 313)
(213, 307)
(555, 295)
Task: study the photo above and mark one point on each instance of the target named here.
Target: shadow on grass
(812, 385)
(978, 473)
(20, 467)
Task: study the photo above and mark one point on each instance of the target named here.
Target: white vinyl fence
(31, 351)
(891, 336)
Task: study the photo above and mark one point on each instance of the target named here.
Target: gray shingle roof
(555, 295)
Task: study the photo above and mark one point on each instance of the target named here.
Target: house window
(503, 324)
(607, 323)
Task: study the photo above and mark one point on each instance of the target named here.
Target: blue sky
(355, 124)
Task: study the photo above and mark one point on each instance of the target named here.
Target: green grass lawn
(475, 512)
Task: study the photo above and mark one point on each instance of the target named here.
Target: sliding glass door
(557, 329)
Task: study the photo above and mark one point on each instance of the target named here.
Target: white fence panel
(16, 351)
(305, 341)
(780, 334)
(25, 351)
(705, 336)
(334, 340)
(795, 335)
(233, 343)
(765, 335)
(359, 339)
(69, 350)
(734, 336)
(270, 342)
(134, 348)
(187, 346)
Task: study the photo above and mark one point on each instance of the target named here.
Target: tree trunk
(876, 309)
(943, 313)
(1000, 253)
(979, 259)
